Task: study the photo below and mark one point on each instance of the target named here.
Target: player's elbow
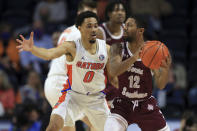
(161, 85)
(46, 58)
(113, 72)
(114, 82)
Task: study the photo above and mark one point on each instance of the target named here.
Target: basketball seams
(155, 53)
(163, 51)
(147, 50)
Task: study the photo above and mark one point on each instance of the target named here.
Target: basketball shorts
(146, 114)
(52, 88)
(75, 106)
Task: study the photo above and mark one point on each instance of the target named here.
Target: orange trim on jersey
(69, 73)
(62, 40)
(67, 31)
(105, 79)
(105, 74)
(63, 96)
(66, 87)
(108, 104)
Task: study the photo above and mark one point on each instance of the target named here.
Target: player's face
(89, 29)
(130, 30)
(118, 14)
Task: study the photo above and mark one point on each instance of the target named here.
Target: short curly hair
(81, 17)
(110, 7)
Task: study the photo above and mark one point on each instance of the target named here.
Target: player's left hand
(25, 44)
(166, 63)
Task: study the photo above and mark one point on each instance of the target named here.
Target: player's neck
(132, 46)
(90, 47)
(114, 28)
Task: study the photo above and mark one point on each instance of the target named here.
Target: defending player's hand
(25, 45)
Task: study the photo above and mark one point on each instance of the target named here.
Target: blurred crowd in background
(174, 22)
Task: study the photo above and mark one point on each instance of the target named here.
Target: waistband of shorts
(140, 100)
(88, 93)
(143, 100)
(57, 75)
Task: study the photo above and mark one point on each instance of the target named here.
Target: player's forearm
(118, 69)
(41, 53)
(114, 82)
(161, 79)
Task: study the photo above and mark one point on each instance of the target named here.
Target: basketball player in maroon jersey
(112, 31)
(135, 103)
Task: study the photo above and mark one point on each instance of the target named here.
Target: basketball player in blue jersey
(87, 58)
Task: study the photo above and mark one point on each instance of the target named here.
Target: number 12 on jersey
(88, 76)
(134, 81)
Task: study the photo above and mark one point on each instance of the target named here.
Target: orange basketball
(153, 53)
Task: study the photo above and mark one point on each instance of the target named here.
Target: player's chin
(92, 41)
(120, 21)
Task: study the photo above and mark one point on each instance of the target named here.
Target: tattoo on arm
(116, 49)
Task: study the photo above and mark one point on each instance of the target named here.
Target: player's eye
(127, 24)
(89, 26)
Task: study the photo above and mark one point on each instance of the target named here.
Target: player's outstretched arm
(161, 74)
(117, 66)
(46, 54)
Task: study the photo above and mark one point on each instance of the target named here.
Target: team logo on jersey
(150, 107)
(101, 57)
(82, 58)
(119, 100)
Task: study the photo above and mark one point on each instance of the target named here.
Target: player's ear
(109, 15)
(78, 12)
(141, 30)
(79, 28)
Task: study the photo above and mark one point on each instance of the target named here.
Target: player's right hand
(25, 45)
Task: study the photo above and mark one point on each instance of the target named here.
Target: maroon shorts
(147, 114)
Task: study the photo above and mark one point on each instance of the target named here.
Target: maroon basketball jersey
(136, 82)
(111, 39)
